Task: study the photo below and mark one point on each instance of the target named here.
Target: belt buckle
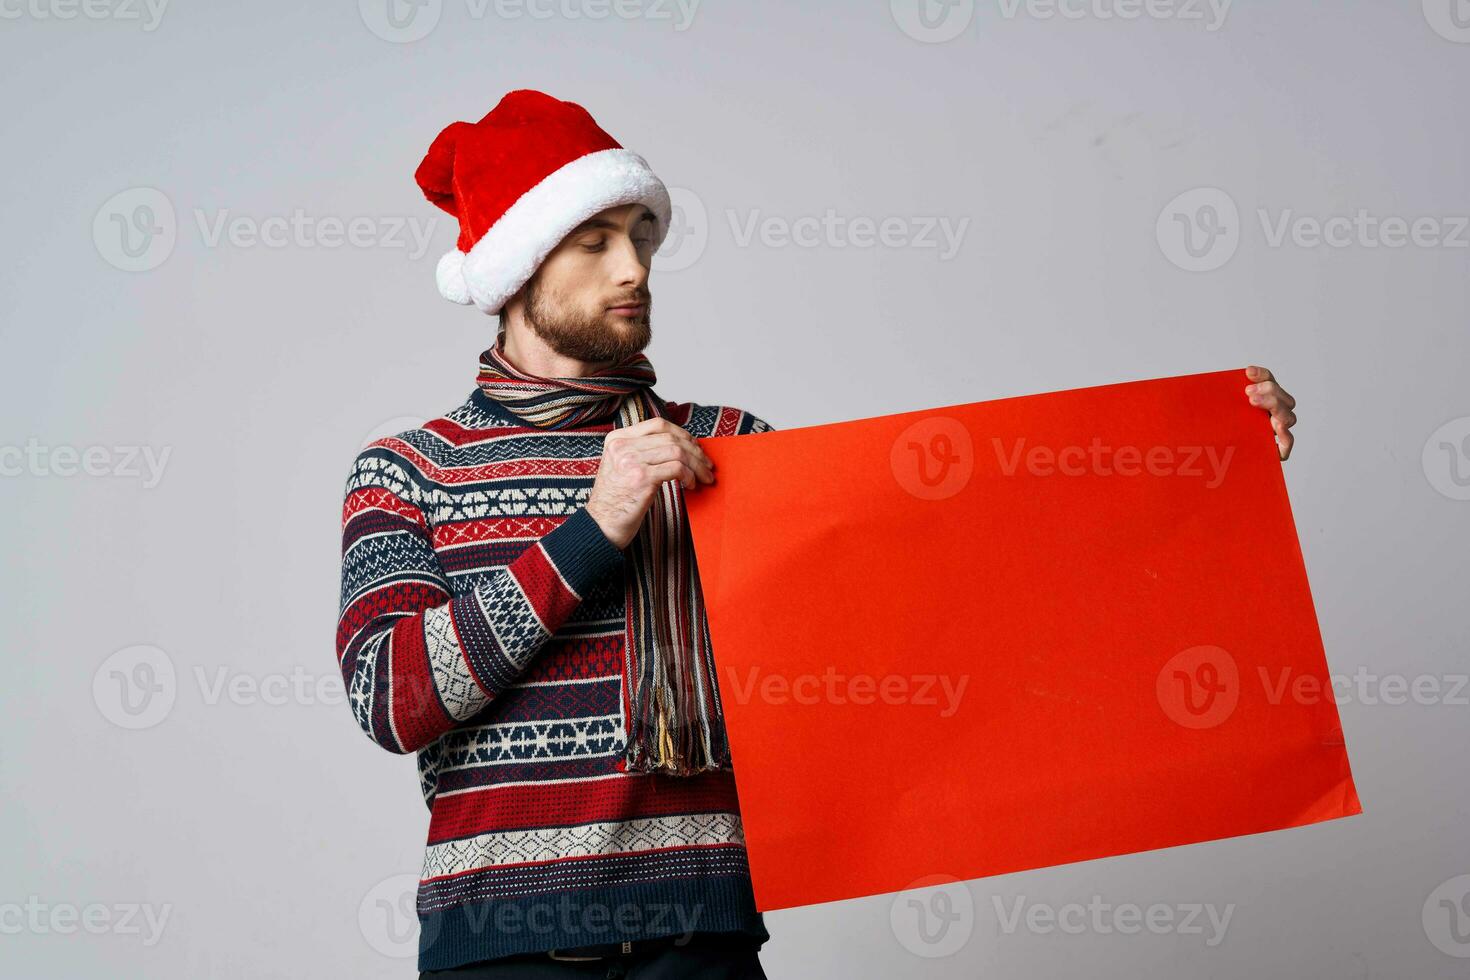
(564, 958)
(626, 944)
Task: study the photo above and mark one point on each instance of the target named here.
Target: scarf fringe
(675, 725)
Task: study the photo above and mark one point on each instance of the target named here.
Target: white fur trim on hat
(511, 250)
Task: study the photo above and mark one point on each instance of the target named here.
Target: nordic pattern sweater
(481, 627)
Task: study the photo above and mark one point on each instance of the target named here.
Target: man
(583, 812)
(519, 602)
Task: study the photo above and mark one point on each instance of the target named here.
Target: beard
(587, 336)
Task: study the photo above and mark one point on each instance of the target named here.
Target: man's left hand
(1265, 392)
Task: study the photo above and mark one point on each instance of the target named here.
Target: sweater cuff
(581, 551)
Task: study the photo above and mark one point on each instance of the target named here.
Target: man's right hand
(635, 460)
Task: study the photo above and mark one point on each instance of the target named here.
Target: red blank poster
(1011, 634)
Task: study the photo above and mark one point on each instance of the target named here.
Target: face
(590, 299)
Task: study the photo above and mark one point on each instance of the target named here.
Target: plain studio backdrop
(219, 283)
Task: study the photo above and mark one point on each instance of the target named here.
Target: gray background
(258, 819)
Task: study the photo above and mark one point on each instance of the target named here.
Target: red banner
(1011, 634)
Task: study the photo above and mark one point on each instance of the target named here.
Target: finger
(650, 440)
(647, 427)
(1283, 420)
(697, 462)
(663, 438)
(1265, 398)
(662, 428)
(655, 423)
(675, 469)
(672, 450)
(626, 433)
(1281, 393)
(695, 449)
(1257, 373)
(1270, 396)
(1271, 387)
(1284, 442)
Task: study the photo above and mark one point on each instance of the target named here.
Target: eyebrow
(592, 223)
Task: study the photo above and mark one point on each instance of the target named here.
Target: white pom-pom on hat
(449, 273)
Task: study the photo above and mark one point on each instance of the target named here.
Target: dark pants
(703, 958)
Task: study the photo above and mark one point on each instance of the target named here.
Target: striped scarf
(672, 714)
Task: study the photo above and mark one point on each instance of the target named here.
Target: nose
(628, 269)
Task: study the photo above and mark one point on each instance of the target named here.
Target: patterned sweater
(481, 627)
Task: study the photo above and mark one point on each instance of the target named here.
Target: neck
(531, 355)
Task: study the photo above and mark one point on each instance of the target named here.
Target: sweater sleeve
(752, 424)
(416, 659)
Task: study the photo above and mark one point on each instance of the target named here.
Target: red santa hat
(519, 180)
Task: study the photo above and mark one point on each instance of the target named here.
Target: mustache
(635, 300)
